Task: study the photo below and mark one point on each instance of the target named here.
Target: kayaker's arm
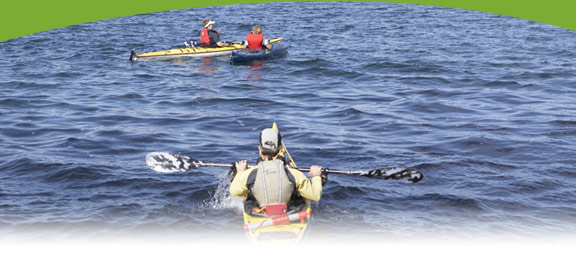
(222, 44)
(238, 186)
(215, 38)
(267, 44)
(308, 188)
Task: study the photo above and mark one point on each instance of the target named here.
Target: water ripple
(482, 104)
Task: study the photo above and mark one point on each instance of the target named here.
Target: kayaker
(255, 40)
(210, 37)
(273, 187)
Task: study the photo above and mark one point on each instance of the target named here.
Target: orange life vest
(204, 37)
(255, 41)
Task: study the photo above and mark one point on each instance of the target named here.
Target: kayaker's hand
(240, 166)
(315, 170)
(324, 176)
(232, 172)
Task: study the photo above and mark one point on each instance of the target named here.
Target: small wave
(74, 175)
(310, 62)
(14, 102)
(540, 75)
(69, 74)
(345, 192)
(564, 123)
(328, 72)
(131, 96)
(384, 66)
(435, 107)
(447, 203)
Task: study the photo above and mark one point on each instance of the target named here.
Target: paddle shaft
(270, 41)
(332, 171)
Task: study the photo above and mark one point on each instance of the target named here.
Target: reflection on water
(255, 72)
(207, 66)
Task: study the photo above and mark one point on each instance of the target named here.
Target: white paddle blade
(396, 173)
(164, 162)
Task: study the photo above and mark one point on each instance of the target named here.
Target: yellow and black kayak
(290, 228)
(198, 51)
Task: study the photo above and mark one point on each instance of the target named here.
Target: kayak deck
(185, 52)
(290, 233)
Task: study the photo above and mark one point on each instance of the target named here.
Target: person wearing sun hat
(210, 37)
(271, 186)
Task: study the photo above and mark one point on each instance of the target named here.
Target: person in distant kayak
(273, 187)
(210, 37)
(255, 40)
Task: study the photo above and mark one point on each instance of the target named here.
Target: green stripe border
(19, 18)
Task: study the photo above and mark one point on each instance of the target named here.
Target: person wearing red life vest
(210, 37)
(255, 40)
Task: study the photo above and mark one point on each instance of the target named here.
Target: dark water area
(483, 105)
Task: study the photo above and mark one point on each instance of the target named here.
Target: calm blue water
(482, 104)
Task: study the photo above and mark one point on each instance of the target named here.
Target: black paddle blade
(396, 173)
(165, 162)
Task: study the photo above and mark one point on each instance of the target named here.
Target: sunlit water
(483, 105)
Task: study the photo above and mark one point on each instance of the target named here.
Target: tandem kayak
(198, 51)
(247, 55)
(289, 228)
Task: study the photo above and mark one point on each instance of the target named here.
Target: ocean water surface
(483, 105)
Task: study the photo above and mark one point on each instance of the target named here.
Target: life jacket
(272, 187)
(255, 41)
(204, 37)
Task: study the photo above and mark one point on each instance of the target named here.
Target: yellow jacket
(308, 188)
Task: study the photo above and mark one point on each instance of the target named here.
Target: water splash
(221, 198)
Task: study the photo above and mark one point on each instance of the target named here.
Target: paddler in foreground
(273, 187)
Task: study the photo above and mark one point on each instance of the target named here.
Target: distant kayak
(197, 51)
(246, 55)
